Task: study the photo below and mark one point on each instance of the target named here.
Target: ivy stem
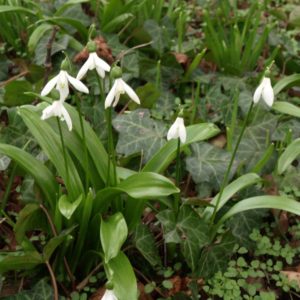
(64, 151)
(54, 284)
(86, 155)
(226, 176)
(177, 196)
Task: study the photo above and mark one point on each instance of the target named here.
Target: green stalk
(86, 155)
(64, 151)
(226, 177)
(177, 196)
(196, 102)
(9, 186)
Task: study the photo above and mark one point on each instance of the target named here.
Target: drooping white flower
(94, 62)
(120, 87)
(177, 130)
(61, 83)
(57, 109)
(109, 295)
(264, 91)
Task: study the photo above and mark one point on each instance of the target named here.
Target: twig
(188, 181)
(85, 281)
(48, 62)
(54, 284)
(22, 74)
(125, 52)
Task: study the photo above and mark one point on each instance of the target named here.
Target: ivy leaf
(138, 132)
(189, 230)
(253, 144)
(145, 243)
(208, 164)
(215, 258)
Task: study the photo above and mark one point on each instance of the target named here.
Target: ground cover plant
(149, 149)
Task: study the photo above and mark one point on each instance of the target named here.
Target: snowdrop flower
(265, 91)
(57, 109)
(93, 62)
(177, 130)
(61, 83)
(119, 87)
(109, 295)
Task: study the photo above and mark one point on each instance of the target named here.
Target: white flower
(120, 87)
(57, 109)
(265, 91)
(177, 130)
(61, 83)
(109, 295)
(94, 62)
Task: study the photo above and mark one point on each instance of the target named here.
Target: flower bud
(91, 46)
(65, 65)
(116, 72)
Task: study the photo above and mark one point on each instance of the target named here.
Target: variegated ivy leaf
(138, 133)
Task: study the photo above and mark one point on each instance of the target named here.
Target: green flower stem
(226, 177)
(86, 155)
(64, 151)
(177, 196)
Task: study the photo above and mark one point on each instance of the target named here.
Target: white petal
(111, 95)
(100, 63)
(52, 110)
(49, 86)
(66, 117)
(131, 93)
(77, 84)
(109, 295)
(86, 66)
(100, 72)
(173, 131)
(62, 85)
(181, 130)
(268, 93)
(257, 93)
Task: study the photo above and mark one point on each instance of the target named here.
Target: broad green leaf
(287, 81)
(230, 190)
(19, 261)
(43, 177)
(189, 230)
(12, 8)
(208, 164)
(123, 278)
(144, 185)
(51, 145)
(165, 155)
(67, 208)
(36, 35)
(149, 94)
(29, 218)
(41, 290)
(286, 108)
(215, 257)
(14, 93)
(139, 133)
(55, 242)
(145, 243)
(113, 233)
(67, 4)
(275, 202)
(289, 155)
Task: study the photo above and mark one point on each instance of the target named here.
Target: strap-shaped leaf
(286, 108)
(41, 174)
(286, 82)
(51, 145)
(289, 155)
(231, 189)
(144, 185)
(277, 202)
(195, 133)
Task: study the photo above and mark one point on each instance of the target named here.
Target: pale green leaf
(67, 208)
(287, 108)
(289, 155)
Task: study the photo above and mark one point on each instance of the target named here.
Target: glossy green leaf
(113, 233)
(19, 261)
(123, 278)
(286, 108)
(36, 35)
(285, 82)
(289, 155)
(11, 8)
(230, 190)
(275, 202)
(166, 154)
(68, 4)
(67, 208)
(43, 177)
(51, 145)
(14, 93)
(143, 185)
